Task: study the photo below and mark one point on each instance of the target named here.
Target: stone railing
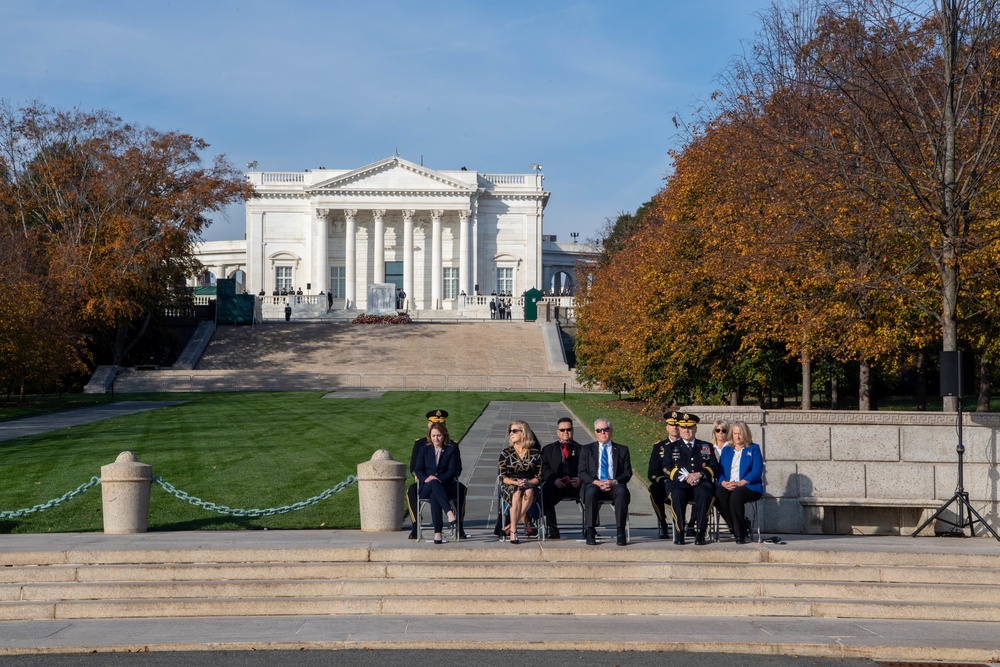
(277, 177)
(844, 472)
(505, 179)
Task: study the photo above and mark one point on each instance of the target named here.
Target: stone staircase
(329, 356)
(484, 577)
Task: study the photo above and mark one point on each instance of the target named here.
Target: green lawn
(243, 450)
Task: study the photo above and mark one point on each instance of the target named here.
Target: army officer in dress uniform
(690, 469)
(657, 471)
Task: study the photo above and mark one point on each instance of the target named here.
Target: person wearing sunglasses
(690, 476)
(560, 473)
(605, 469)
(520, 467)
(720, 437)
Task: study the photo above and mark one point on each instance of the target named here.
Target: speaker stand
(961, 497)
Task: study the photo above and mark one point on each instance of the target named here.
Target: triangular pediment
(393, 174)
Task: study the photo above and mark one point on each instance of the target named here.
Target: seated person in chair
(437, 469)
(741, 480)
(605, 469)
(433, 417)
(560, 473)
(657, 471)
(520, 466)
(690, 469)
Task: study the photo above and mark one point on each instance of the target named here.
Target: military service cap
(437, 416)
(688, 419)
(671, 417)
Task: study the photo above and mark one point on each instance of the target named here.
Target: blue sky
(586, 89)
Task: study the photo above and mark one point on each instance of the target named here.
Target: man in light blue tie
(605, 469)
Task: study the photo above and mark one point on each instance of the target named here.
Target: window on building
(451, 283)
(337, 282)
(505, 280)
(283, 277)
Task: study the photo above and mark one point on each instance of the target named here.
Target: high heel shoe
(513, 539)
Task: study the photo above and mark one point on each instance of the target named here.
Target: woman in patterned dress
(520, 467)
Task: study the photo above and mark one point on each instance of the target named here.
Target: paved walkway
(18, 428)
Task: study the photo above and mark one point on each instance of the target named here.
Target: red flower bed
(382, 319)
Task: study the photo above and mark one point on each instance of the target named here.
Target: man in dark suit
(690, 470)
(605, 469)
(560, 473)
(657, 471)
(433, 417)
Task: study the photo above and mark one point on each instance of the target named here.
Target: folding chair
(535, 510)
(452, 502)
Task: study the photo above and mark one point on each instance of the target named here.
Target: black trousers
(411, 502)
(681, 494)
(438, 495)
(552, 496)
(732, 506)
(618, 494)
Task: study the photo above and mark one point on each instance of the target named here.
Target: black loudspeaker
(954, 373)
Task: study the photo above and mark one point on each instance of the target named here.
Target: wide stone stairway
(492, 355)
(349, 572)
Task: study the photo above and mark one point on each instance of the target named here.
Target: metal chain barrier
(252, 513)
(55, 502)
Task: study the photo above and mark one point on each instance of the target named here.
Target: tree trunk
(985, 376)
(734, 398)
(921, 382)
(864, 386)
(948, 264)
(834, 394)
(807, 391)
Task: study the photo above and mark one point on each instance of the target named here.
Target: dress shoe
(413, 533)
(530, 530)
(700, 541)
(466, 536)
(622, 540)
(591, 537)
(678, 537)
(741, 540)
(661, 532)
(552, 533)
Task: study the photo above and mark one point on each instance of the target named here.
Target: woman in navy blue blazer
(741, 480)
(436, 468)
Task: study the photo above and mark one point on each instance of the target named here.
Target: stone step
(478, 551)
(509, 604)
(460, 588)
(437, 571)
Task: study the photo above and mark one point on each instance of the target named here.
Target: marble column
(350, 261)
(436, 266)
(474, 242)
(463, 253)
(408, 255)
(321, 251)
(378, 215)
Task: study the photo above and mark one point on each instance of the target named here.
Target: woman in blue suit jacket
(436, 468)
(741, 481)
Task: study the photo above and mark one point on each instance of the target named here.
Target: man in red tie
(560, 473)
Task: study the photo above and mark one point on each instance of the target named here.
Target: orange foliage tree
(111, 212)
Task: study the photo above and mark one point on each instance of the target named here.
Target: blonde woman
(520, 469)
(741, 480)
(720, 437)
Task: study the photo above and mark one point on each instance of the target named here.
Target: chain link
(55, 502)
(252, 513)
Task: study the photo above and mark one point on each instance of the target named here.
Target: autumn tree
(897, 103)
(114, 210)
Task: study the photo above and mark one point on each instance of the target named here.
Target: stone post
(381, 489)
(125, 490)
